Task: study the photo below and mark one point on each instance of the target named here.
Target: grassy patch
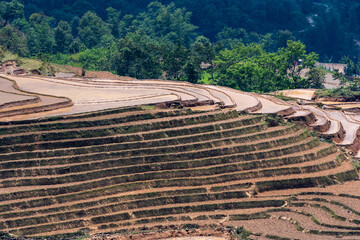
(350, 93)
(282, 97)
(148, 107)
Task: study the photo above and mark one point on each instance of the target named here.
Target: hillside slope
(129, 168)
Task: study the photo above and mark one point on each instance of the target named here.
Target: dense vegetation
(247, 45)
(328, 27)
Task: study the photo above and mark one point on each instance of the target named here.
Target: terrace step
(306, 116)
(182, 152)
(45, 191)
(170, 141)
(118, 207)
(335, 131)
(92, 132)
(199, 94)
(126, 121)
(328, 177)
(352, 129)
(226, 100)
(318, 153)
(75, 146)
(174, 164)
(37, 102)
(111, 119)
(101, 219)
(244, 101)
(99, 115)
(139, 214)
(271, 105)
(93, 196)
(10, 100)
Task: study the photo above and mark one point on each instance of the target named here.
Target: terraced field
(15, 102)
(93, 156)
(120, 170)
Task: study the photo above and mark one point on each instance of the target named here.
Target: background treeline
(328, 27)
(250, 45)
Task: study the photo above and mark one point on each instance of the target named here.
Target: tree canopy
(328, 27)
(248, 45)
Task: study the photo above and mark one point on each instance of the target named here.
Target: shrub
(242, 233)
(272, 120)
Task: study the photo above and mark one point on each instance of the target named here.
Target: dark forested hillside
(224, 42)
(329, 27)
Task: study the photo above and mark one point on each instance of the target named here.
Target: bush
(242, 233)
(272, 120)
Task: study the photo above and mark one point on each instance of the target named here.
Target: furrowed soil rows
(126, 169)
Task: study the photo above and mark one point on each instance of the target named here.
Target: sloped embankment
(130, 168)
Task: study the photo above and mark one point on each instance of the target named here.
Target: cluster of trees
(250, 68)
(352, 65)
(160, 40)
(328, 27)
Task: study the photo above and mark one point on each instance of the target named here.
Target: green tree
(203, 50)
(80, 7)
(191, 72)
(11, 10)
(77, 46)
(134, 56)
(293, 55)
(75, 26)
(40, 34)
(2, 52)
(32, 41)
(13, 40)
(113, 19)
(353, 21)
(251, 68)
(125, 25)
(93, 30)
(166, 24)
(339, 76)
(237, 53)
(203, 53)
(282, 37)
(231, 36)
(63, 37)
(350, 68)
(316, 77)
(175, 60)
(248, 68)
(94, 59)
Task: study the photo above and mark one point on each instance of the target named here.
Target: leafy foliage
(13, 40)
(327, 27)
(250, 68)
(161, 40)
(316, 77)
(93, 31)
(134, 56)
(348, 93)
(63, 37)
(242, 233)
(11, 10)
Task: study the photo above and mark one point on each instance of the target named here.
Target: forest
(249, 45)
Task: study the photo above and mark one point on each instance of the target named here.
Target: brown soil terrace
(121, 158)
